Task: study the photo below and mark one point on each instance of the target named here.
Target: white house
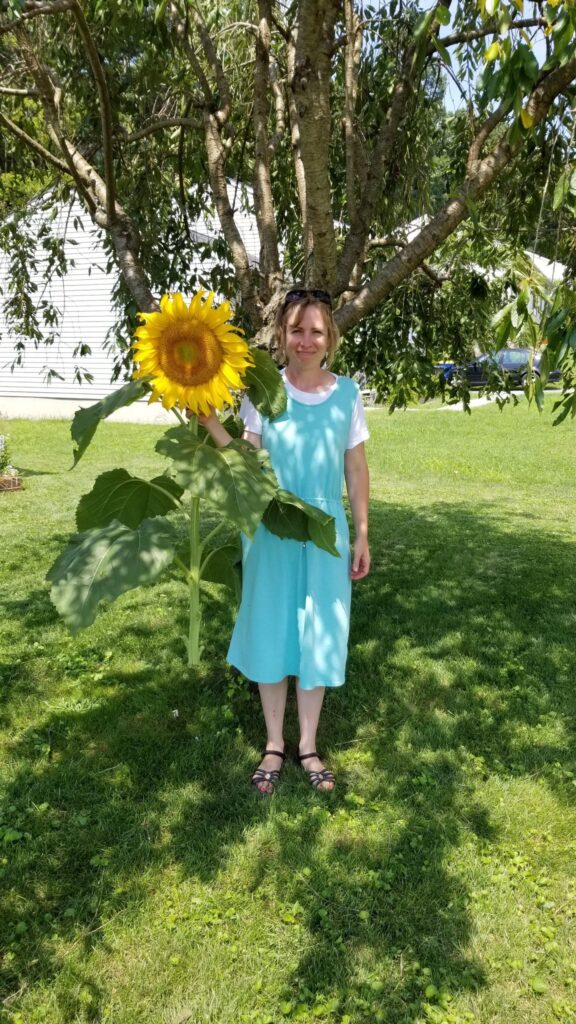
(83, 298)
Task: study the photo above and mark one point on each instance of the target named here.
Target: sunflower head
(191, 354)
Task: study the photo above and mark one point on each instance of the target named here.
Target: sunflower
(191, 355)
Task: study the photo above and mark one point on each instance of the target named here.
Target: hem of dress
(275, 682)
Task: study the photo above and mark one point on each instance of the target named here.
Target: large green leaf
(230, 479)
(118, 495)
(222, 565)
(102, 564)
(265, 388)
(289, 516)
(86, 421)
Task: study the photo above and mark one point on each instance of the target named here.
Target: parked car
(515, 362)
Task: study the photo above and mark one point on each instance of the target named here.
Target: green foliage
(5, 460)
(118, 495)
(290, 516)
(163, 182)
(223, 565)
(264, 386)
(103, 563)
(231, 479)
(121, 548)
(440, 877)
(85, 421)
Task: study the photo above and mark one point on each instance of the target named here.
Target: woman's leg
(309, 708)
(273, 697)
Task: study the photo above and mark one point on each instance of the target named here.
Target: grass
(141, 878)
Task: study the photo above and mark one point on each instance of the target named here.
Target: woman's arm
(357, 485)
(220, 435)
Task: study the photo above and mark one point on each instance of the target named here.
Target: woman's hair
(298, 305)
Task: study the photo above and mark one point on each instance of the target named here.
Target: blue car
(514, 362)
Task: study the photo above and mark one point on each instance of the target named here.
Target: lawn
(142, 880)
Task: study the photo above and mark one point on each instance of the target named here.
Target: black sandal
(317, 778)
(261, 775)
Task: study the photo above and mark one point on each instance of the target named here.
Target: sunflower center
(190, 353)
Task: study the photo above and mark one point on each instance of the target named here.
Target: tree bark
(311, 88)
(263, 201)
(447, 220)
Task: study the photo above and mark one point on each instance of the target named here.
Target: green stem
(210, 535)
(194, 584)
(194, 574)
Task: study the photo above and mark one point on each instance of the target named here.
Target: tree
(329, 109)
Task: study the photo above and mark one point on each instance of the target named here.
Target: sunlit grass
(144, 881)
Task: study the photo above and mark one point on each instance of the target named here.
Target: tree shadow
(442, 675)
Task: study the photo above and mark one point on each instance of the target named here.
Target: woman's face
(306, 338)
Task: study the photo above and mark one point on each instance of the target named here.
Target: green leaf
(443, 52)
(118, 495)
(265, 388)
(562, 189)
(538, 985)
(102, 564)
(222, 565)
(423, 23)
(442, 14)
(86, 421)
(230, 479)
(289, 516)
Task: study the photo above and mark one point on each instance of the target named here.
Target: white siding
(83, 297)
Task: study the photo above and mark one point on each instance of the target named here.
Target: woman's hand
(203, 420)
(360, 560)
(212, 424)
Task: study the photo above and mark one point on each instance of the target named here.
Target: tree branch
(160, 124)
(46, 155)
(279, 105)
(105, 108)
(483, 134)
(379, 166)
(50, 97)
(311, 85)
(216, 151)
(182, 36)
(351, 63)
(458, 209)
(263, 201)
(487, 30)
(92, 189)
(307, 243)
(212, 57)
(7, 90)
(33, 9)
(387, 153)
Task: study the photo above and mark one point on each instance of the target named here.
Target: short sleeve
(250, 417)
(358, 428)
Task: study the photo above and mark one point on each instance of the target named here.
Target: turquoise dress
(295, 610)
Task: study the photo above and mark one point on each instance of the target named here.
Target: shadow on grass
(463, 653)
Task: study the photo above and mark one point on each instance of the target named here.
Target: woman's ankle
(275, 744)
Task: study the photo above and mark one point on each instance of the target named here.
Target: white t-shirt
(252, 419)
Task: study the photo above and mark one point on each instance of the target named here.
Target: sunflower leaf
(86, 421)
(289, 516)
(265, 387)
(118, 495)
(232, 479)
(104, 563)
(222, 565)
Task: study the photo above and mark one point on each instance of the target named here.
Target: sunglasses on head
(304, 293)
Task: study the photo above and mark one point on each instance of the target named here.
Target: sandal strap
(278, 753)
(260, 775)
(317, 778)
(302, 757)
